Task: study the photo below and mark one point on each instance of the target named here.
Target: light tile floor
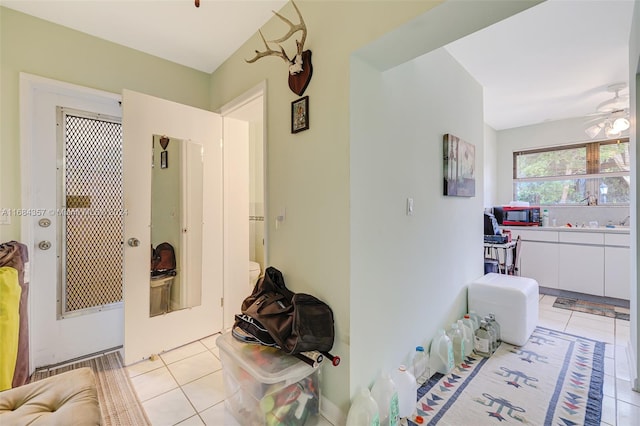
(185, 387)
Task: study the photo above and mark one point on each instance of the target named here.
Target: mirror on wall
(176, 224)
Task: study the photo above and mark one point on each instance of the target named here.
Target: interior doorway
(245, 143)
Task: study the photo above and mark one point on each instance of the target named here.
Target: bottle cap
(419, 349)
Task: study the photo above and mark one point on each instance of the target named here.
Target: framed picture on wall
(459, 167)
(164, 159)
(300, 115)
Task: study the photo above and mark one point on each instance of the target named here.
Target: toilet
(254, 273)
(160, 297)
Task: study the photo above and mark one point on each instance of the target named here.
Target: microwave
(520, 216)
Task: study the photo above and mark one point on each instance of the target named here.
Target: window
(571, 174)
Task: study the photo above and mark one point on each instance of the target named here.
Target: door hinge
(222, 302)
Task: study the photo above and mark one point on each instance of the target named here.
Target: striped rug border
(118, 400)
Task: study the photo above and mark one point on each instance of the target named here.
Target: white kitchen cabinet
(539, 260)
(581, 268)
(617, 264)
(595, 263)
(539, 256)
(617, 277)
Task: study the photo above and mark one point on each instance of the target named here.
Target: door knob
(133, 242)
(44, 245)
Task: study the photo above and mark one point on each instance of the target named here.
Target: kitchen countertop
(616, 230)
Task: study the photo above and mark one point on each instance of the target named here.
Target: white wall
(408, 273)
(490, 166)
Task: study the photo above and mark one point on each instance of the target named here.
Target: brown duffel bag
(297, 322)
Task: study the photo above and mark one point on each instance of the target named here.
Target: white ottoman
(513, 300)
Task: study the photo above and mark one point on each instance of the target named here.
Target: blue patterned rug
(554, 379)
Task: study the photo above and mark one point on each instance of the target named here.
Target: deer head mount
(300, 68)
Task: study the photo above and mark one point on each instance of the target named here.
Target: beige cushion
(68, 398)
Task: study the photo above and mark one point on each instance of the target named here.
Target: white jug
(441, 353)
(364, 410)
(385, 392)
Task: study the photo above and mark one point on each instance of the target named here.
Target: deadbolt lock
(44, 245)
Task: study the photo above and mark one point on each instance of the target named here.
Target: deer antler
(295, 64)
(269, 52)
(293, 28)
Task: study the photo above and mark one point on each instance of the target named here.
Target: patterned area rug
(554, 379)
(590, 308)
(118, 400)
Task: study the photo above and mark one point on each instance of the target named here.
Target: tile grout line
(183, 392)
(166, 365)
(207, 349)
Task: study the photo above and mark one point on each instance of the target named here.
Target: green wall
(35, 46)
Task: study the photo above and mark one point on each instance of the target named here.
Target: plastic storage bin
(264, 386)
(491, 265)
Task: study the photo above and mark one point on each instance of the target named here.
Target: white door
(62, 239)
(244, 136)
(236, 218)
(143, 117)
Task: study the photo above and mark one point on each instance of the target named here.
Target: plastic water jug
(385, 392)
(407, 391)
(493, 332)
(476, 319)
(421, 365)
(496, 325)
(457, 340)
(363, 410)
(468, 337)
(482, 341)
(441, 353)
(466, 319)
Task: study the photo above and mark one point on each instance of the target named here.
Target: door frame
(233, 293)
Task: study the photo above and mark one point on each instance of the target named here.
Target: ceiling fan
(612, 114)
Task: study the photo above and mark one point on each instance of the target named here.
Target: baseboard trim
(332, 413)
(622, 303)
